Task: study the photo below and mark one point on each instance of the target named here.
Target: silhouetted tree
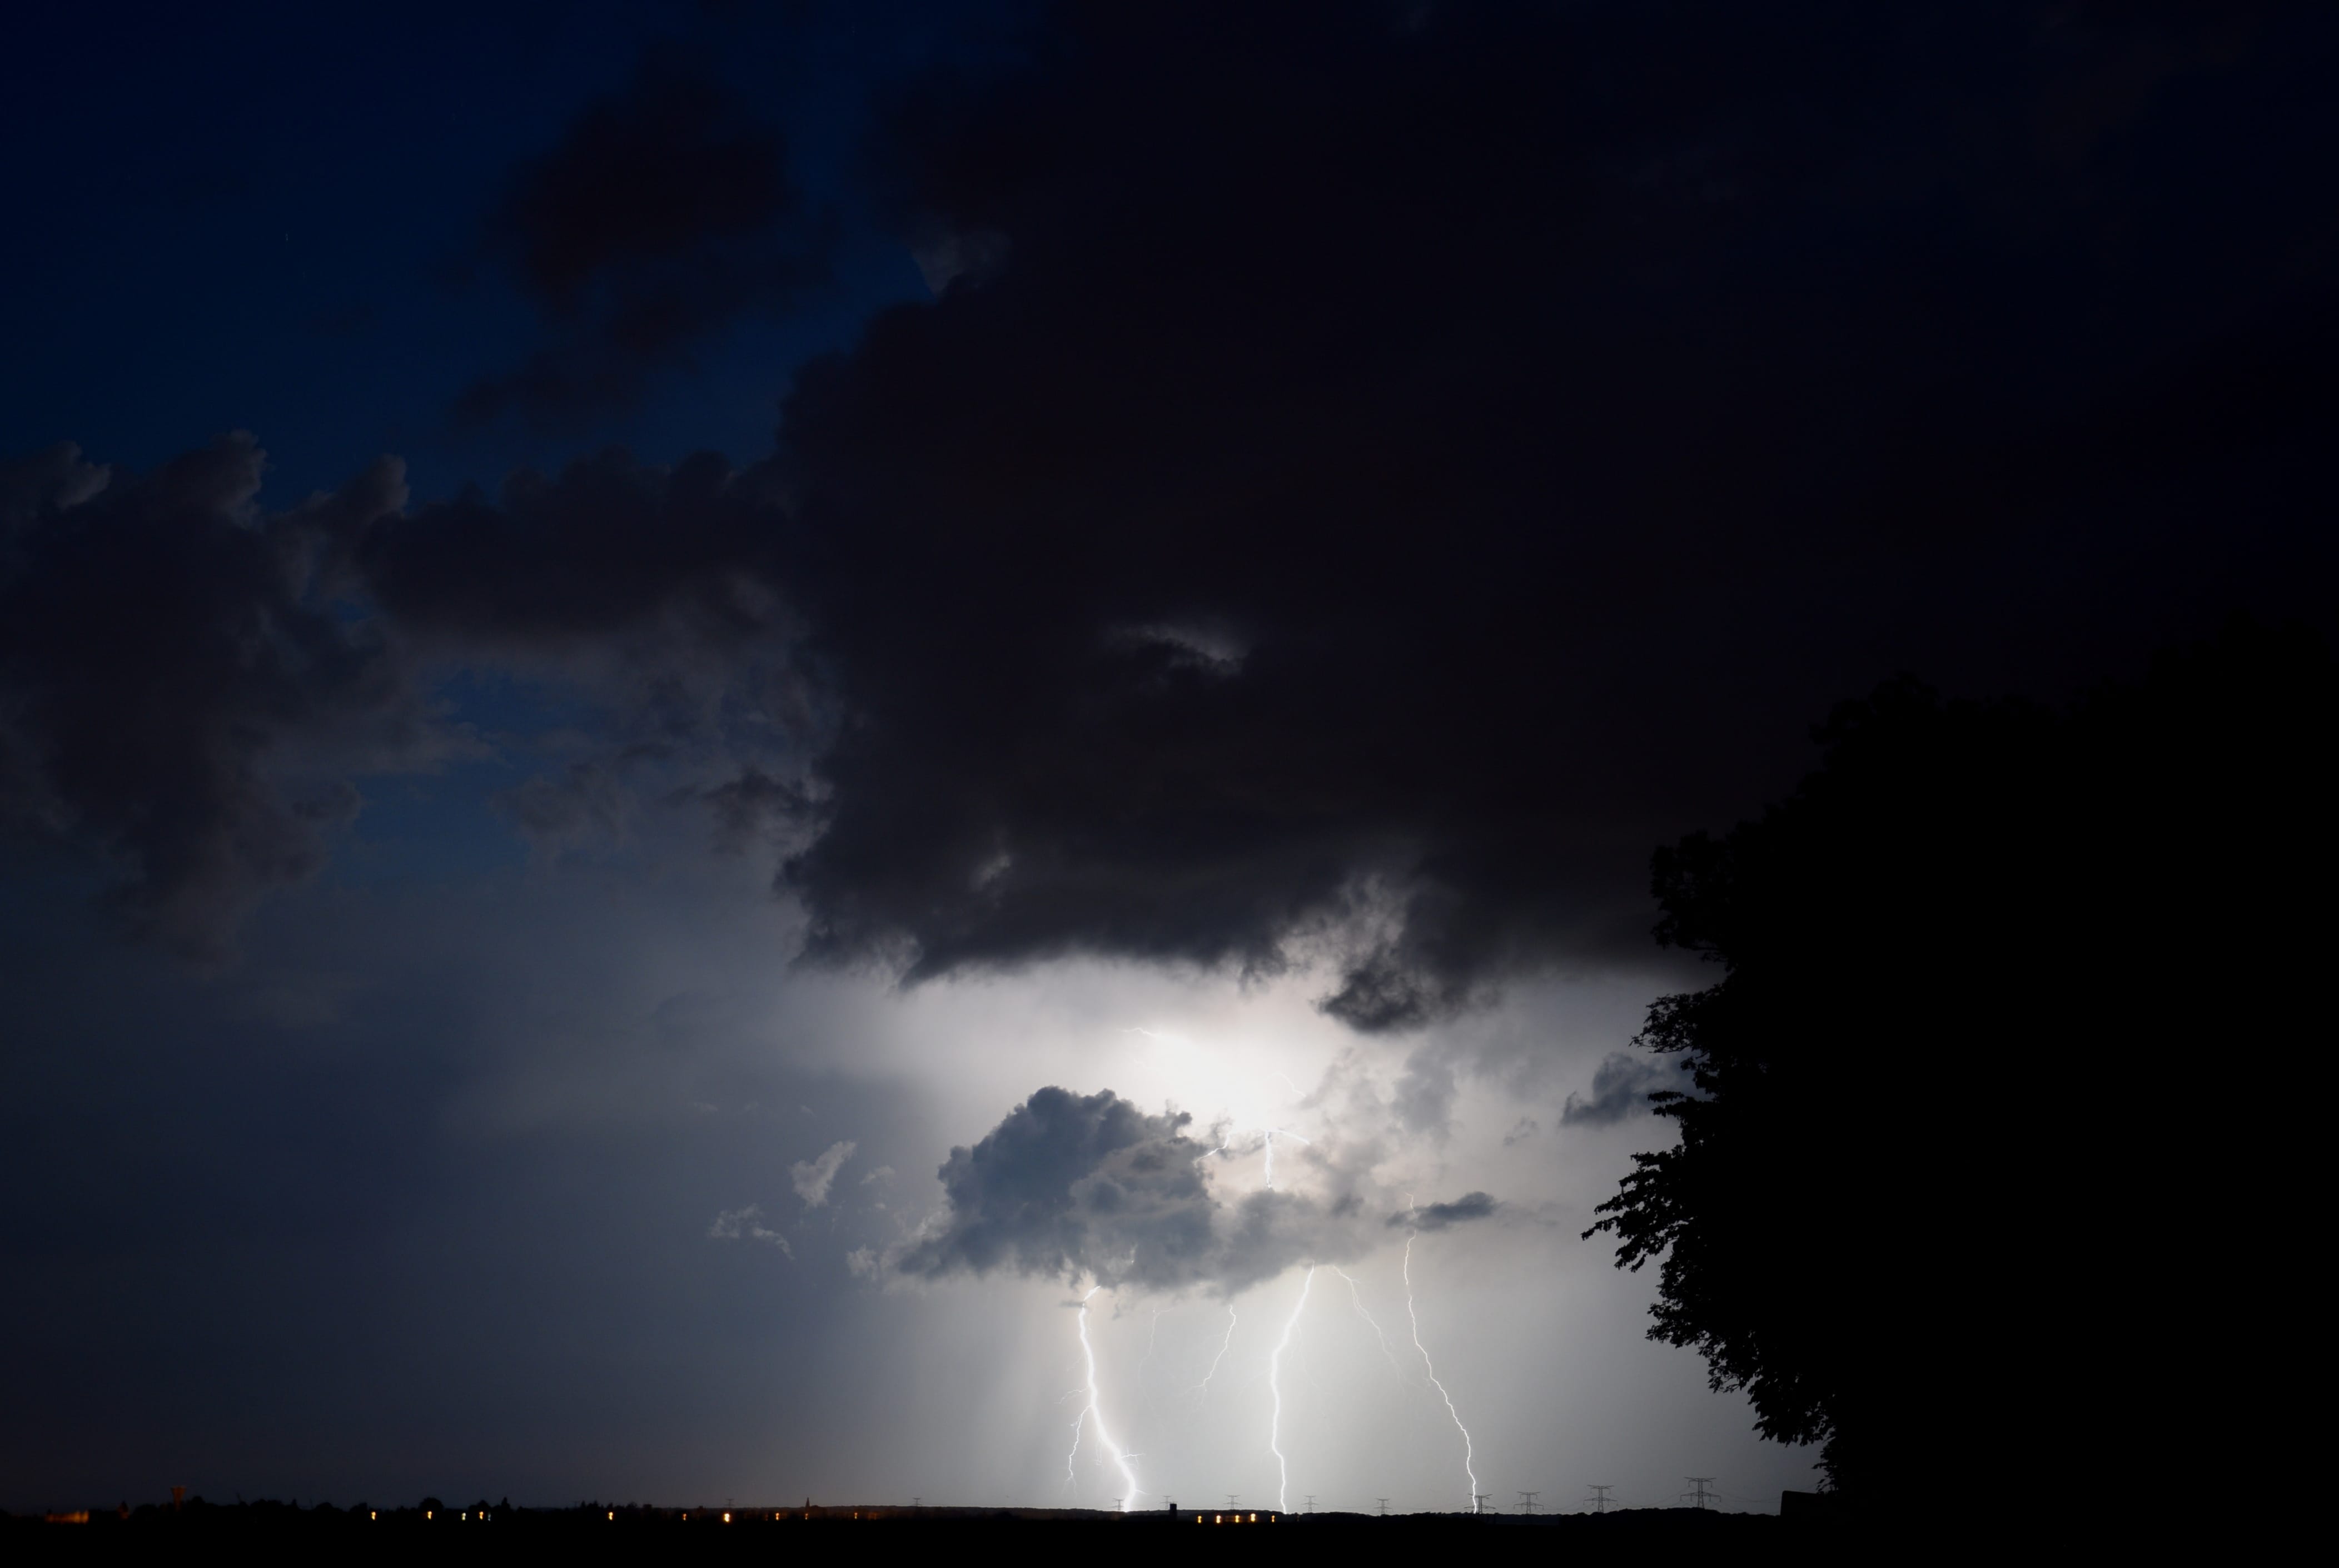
(1975, 1088)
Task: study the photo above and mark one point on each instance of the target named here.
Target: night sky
(702, 706)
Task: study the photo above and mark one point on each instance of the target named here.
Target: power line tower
(1231, 1500)
(1311, 1502)
(1701, 1498)
(1481, 1499)
(1600, 1498)
(1527, 1500)
(1384, 1502)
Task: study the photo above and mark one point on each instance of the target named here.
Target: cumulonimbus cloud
(1090, 1186)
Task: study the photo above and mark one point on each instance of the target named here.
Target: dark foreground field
(887, 1531)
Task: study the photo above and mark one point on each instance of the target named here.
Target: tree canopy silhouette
(1944, 1146)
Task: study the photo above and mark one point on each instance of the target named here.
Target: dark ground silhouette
(1635, 1535)
(1983, 1131)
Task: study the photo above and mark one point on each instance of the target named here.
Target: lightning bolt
(1468, 1452)
(1271, 1151)
(1203, 1389)
(1094, 1408)
(1274, 1386)
(1356, 1297)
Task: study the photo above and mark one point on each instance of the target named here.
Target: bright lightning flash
(1275, 1388)
(1093, 1408)
(1468, 1452)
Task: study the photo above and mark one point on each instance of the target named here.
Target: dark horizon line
(430, 1509)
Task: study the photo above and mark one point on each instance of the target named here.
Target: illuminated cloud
(1071, 1186)
(812, 1176)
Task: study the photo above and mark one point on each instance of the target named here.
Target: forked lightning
(1095, 1409)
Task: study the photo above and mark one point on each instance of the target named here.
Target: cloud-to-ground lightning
(1356, 1297)
(1275, 1388)
(1468, 1454)
(1095, 1408)
(1203, 1387)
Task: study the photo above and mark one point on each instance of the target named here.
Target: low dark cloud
(1071, 1186)
(174, 692)
(1620, 1086)
(1470, 1206)
(665, 213)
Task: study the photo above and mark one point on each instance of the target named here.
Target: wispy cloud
(813, 1177)
(747, 1225)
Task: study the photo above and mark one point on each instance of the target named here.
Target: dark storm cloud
(1554, 410)
(1389, 470)
(664, 213)
(587, 557)
(173, 694)
(1619, 1087)
(1070, 1187)
(1470, 1206)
